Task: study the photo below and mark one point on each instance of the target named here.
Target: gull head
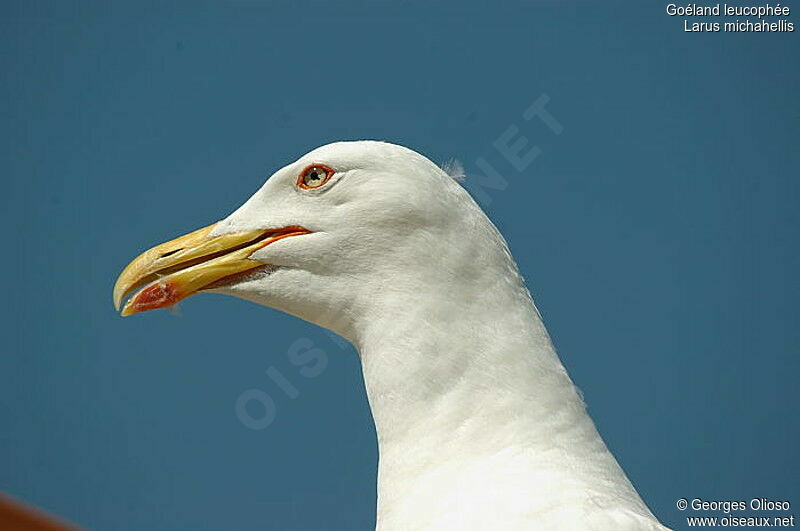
(324, 238)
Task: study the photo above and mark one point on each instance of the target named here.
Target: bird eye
(314, 176)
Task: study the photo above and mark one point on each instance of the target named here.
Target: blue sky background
(658, 233)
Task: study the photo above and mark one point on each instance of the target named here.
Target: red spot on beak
(160, 294)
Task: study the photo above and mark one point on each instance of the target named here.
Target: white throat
(476, 416)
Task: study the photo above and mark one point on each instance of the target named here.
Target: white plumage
(479, 425)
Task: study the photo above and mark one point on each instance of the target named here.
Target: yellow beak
(180, 268)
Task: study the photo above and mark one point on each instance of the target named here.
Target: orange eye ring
(314, 176)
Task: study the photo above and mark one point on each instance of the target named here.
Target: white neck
(474, 411)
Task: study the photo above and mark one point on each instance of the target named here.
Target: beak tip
(119, 293)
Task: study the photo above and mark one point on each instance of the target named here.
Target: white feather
(479, 425)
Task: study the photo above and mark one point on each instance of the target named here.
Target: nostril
(170, 253)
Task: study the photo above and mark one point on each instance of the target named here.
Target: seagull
(479, 425)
